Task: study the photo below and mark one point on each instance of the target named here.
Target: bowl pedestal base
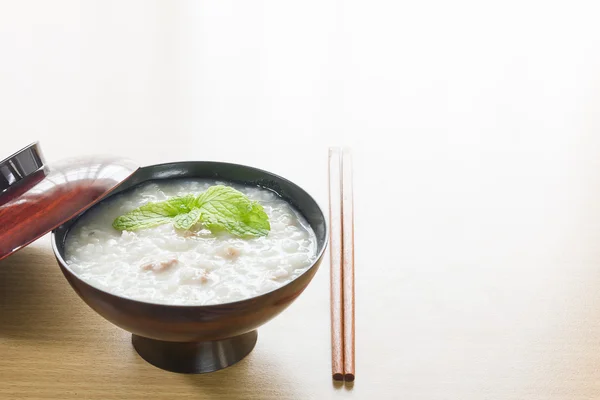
(195, 357)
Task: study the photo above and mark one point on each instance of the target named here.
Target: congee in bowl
(191, 241)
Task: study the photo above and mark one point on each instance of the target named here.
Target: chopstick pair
(341, 221)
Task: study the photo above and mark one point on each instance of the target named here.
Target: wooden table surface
(475, 131)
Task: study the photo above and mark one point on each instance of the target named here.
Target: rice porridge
(192, 267)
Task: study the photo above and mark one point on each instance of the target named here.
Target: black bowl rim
(315, 263)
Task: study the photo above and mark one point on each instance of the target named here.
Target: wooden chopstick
(341, 221)
(348, 265)
(335, 251)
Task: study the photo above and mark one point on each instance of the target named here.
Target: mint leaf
(226, 208)
(187, 220)
(154, 214)
(258, 220)
(220, 207)
(178, 205)
(138, 219)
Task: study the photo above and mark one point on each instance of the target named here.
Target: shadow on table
(255, 377)
(32, 303)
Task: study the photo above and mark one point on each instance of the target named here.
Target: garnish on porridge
(220, 207)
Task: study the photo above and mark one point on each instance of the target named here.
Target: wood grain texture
(335, 252)
(348, 266)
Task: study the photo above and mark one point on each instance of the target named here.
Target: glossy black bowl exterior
(200, 323)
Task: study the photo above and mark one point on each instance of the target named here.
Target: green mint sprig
(220, 207)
